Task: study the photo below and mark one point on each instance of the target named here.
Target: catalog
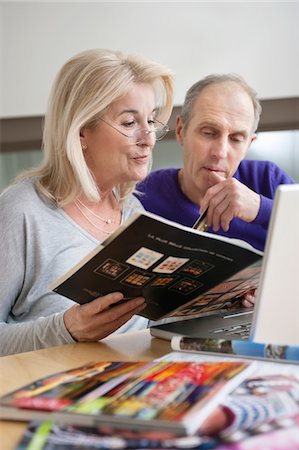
(178, 270)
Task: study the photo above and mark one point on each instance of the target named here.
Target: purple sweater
(161, 194)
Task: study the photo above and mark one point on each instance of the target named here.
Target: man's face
(217, 137)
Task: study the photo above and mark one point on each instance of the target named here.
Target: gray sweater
(38, 244)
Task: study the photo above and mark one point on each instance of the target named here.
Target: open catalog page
(178, 270)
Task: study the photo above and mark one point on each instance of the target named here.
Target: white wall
(259, 40)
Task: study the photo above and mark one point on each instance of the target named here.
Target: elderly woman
(105, 113)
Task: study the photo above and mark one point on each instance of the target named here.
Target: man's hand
(227, 199)
(99, 318)
(248, 299)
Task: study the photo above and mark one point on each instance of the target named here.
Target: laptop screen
(276, 314)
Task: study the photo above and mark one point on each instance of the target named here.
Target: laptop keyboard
(243, 330)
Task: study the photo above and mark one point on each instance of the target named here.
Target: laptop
(275, 317)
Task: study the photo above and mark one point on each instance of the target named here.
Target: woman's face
(111, 156)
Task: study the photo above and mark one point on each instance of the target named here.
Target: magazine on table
(58, 436)
(239, 348)
(50, 435)
(173, 397)
(266, 404)
(181, 272)
(271, 414)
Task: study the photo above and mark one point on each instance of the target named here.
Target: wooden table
(20, 369)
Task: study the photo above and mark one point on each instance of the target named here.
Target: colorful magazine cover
(263, 413)
(174, 397)
(49, 436)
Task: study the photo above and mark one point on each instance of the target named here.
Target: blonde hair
(83, 89)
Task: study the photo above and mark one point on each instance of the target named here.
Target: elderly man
(215, 129)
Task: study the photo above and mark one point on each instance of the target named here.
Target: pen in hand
(200, 224)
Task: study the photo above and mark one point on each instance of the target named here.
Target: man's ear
(179, 130)
(253, 138)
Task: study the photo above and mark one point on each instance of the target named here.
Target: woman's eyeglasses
(158, 129)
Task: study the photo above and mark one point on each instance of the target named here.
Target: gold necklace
(107, 221)
(90, 221)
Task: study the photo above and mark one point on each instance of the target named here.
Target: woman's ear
(83, 140)
(179, 130)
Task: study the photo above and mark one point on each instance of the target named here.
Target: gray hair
(195, 90)
(84, 88)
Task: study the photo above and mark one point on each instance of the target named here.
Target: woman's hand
(99, 318)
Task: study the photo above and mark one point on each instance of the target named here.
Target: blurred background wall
(259, 40)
